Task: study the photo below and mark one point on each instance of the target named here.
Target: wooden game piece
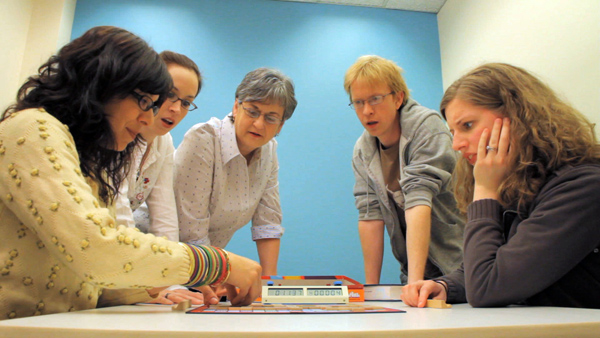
(182, 306)
(437, 304)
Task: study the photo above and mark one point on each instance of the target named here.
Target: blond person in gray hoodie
(402, 163)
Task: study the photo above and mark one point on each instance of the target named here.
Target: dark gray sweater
(549, 257)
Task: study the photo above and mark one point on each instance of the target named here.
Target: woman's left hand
(494, 160)
(177, 296)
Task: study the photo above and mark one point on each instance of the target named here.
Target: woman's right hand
(212, 295)
(244, 282)
(495, 158)
(416, 294)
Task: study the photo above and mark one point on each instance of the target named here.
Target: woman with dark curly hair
(65, 146)
(529, 182)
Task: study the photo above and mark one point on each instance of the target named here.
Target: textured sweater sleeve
(47, 192)
(456, 286)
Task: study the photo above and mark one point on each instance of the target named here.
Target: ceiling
(430, 6)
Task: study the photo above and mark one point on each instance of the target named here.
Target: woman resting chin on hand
(528, 182)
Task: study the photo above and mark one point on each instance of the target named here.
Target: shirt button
(596, 250)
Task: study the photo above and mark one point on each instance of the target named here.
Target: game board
(279, 309)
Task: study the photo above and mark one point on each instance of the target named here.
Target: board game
(277, 309)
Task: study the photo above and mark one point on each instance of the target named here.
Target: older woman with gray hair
(226, 171)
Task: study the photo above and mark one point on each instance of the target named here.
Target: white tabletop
(460, 321)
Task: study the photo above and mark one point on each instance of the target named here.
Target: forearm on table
(418, 235)
(268, 254)
(371, 240)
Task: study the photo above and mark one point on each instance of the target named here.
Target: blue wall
(314, 44)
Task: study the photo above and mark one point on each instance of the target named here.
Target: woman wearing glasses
(147, 200)
(150, 180)
(402, 165)
(64, 146)
(226, 171)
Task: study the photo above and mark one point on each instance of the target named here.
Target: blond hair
(546, 133)
(375, 70)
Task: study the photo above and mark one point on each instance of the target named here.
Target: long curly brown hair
(74, 86)
(546, 132)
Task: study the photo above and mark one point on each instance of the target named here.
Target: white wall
(14, 24)
(32, 30)
(558, 40)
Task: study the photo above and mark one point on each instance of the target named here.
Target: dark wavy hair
(104, 64)
(547, 132)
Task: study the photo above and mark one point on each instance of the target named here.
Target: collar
(229, 146)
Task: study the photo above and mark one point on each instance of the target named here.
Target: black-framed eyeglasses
(185, 104)
(145, 102)
(373, 101)
(253, 113)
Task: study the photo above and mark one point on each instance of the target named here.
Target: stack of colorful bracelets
(209, 266)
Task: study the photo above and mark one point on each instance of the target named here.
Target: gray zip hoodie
(426, 164)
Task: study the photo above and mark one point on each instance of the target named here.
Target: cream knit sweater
(59, 246)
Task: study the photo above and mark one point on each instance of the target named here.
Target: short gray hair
(268, 85)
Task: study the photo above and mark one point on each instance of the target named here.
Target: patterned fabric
(151, 187)
(60, 246)
(218, 192)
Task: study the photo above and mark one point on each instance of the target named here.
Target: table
(460, 321)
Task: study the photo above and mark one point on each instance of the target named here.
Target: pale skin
(252, 134)
(473, 128)
(176, 296)
(268, 254)
(243, 284)
(418, 223)
(382, 121)
(418, 234)
(371, 240)
(185, 85)
(127, 119)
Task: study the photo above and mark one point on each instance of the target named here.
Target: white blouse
(217, 192)
(151, 184)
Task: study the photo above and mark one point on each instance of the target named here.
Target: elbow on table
(479, 298)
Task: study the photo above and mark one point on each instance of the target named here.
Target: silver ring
(491, 148)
